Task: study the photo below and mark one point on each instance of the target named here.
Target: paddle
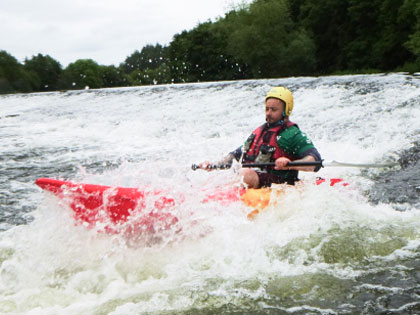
(297, 163)
(256, 165)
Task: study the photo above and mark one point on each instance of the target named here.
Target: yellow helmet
(284, 95)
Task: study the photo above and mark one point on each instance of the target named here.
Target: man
(279, 140)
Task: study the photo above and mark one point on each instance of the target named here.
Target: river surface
(318, 250)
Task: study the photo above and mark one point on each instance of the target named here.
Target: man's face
(273, 110)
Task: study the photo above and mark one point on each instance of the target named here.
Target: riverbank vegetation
(264, 39)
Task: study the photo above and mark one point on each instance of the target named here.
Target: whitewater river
(320, 250)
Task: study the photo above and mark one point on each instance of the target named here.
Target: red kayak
(111, 207)
(116, 209)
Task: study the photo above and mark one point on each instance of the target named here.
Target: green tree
(148, 66)
(268, 41)
(13, 77)
(358, 34)
(201, 54)
(328, 23)
(81, 74)
(378, 35)
(359, 51)
(151, 76)
(150, 57)
(410, 12)
(113, 77)
(46, 69)
(178, 54)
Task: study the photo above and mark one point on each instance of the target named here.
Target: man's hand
(205, 166)
(281, 164)
(226, 162)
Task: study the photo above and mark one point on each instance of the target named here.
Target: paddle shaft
(298, 163)
(257, 165)
(322, 164)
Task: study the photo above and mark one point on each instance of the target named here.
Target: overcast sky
(106, 31)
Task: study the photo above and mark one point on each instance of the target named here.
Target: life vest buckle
(266, 153)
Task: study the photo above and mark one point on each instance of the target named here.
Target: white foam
(153, 135)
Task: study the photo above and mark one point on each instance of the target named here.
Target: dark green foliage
(201, 55)
(329, 25)
(410, 13)
(149, 66)
(269, 41)
(12, 75)
(352, 35)
(264, 39)
(83, 73)
(113, 77)
(46, 70)
(379, 37)
(150, 57)
(151, 76)
(178, 52)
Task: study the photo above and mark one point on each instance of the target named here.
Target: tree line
(264, 39)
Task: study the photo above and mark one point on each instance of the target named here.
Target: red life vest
(262, 147)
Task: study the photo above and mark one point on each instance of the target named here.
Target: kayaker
(278, 140)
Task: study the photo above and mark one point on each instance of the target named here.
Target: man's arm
(236, 154)
(228, 159)
(313, 152)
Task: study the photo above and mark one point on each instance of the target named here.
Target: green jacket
(295, 143)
